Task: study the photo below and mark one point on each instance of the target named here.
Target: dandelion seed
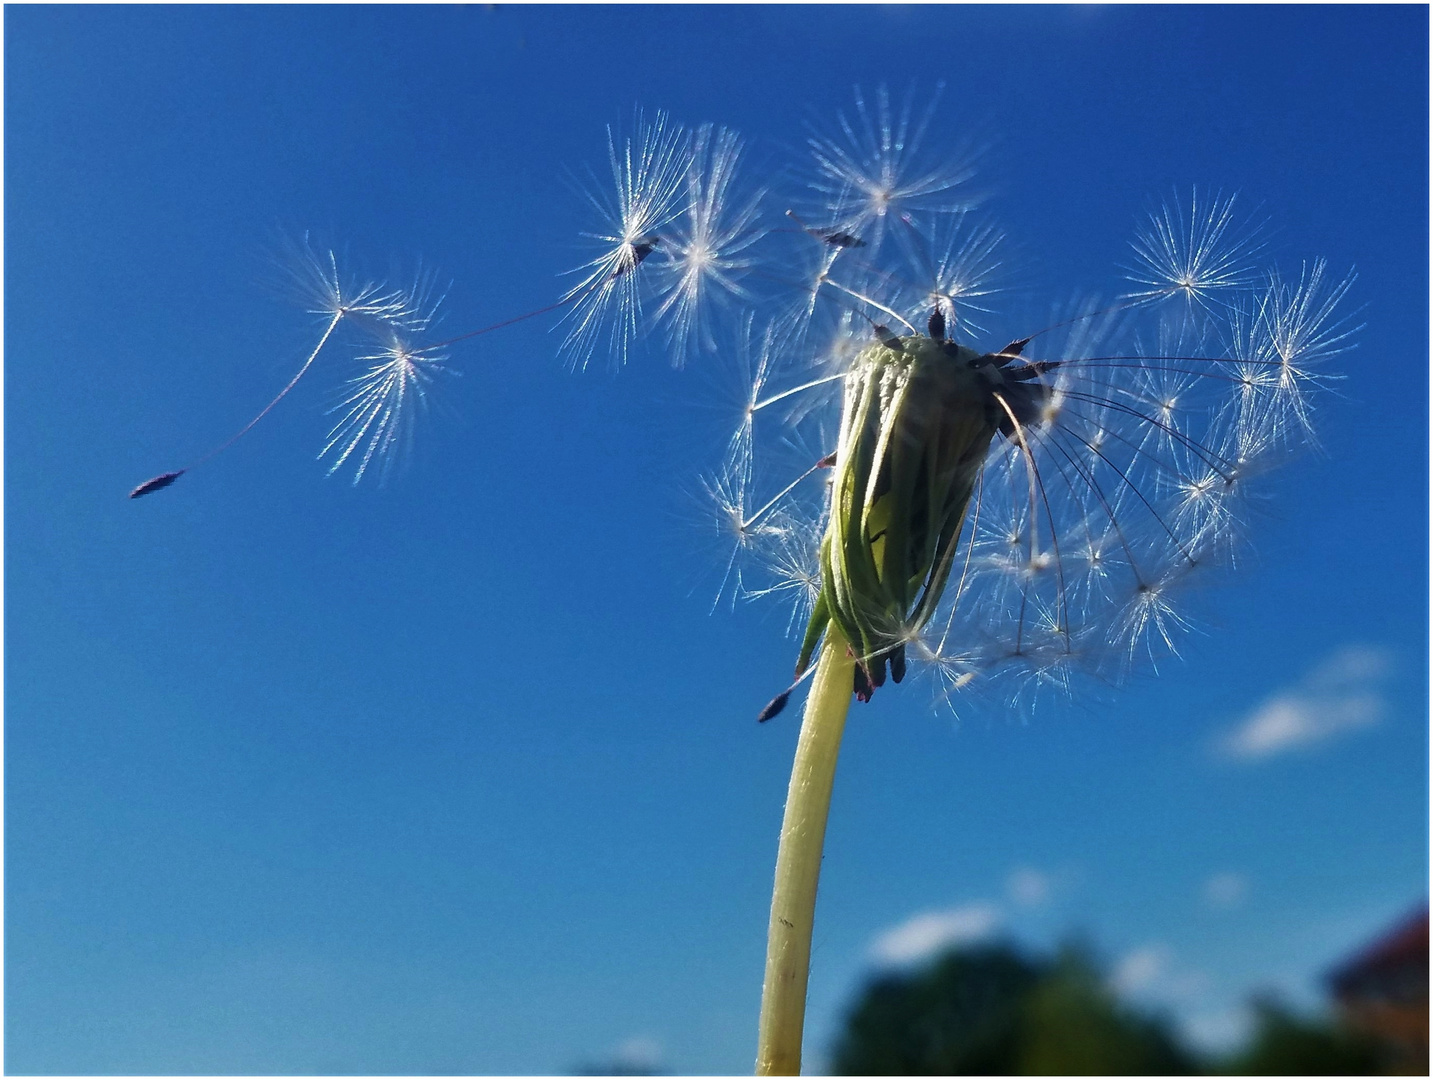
(873, 172)
(792, 568)
(377, 410)
(650, 175)
(1195, 253)
(314, 276)
(1149, 614)
(834, 238)
(1304, 331)
(709, 249)
(343, 301)
(1254, 368)
(954, 279)
(954, 671)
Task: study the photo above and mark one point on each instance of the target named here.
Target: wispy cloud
(1150, 972)
(1028, 887)
(1342, 694)
(1218, 1030)
(1225, 890)
(641, 1055)
(641, 1051)
(1140, 969)
(930, 932)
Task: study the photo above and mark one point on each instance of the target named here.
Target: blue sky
(460, 773)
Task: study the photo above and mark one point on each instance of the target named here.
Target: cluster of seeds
(996, 513)
(984, 509)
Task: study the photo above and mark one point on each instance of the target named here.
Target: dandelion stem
(798, 861)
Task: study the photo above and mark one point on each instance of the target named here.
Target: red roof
(1404, 946)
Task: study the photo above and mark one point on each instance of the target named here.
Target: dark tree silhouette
(1284, 1044)
(960, 1015)
(992, 1011)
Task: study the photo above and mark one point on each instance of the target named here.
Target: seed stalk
(798, 860)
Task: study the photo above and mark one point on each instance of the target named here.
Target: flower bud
(917, 423)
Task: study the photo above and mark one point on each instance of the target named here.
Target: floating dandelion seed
(709, 250)
(315, 278)
(651, 173)
(377, 410)
(675, 198)
(1304, 331)
(373, 310)
(872, 171)
(158, 483)
(677, 244)
(662, 173)
(1194, 251)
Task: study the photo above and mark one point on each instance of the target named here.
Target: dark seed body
(161, 481)
(774, 707)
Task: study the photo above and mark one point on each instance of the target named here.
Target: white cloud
(929, 932)
(1028, 887)
(1342, 694)
(1140, 969)
(1218, 1030)
(639, 1054)
(1225, 890)
(1150, 972)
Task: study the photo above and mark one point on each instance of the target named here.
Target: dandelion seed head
(1012, 515)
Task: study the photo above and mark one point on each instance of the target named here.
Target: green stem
(798, 861)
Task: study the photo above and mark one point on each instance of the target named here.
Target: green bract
(917, 422)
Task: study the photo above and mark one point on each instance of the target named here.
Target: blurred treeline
(993, 1009)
